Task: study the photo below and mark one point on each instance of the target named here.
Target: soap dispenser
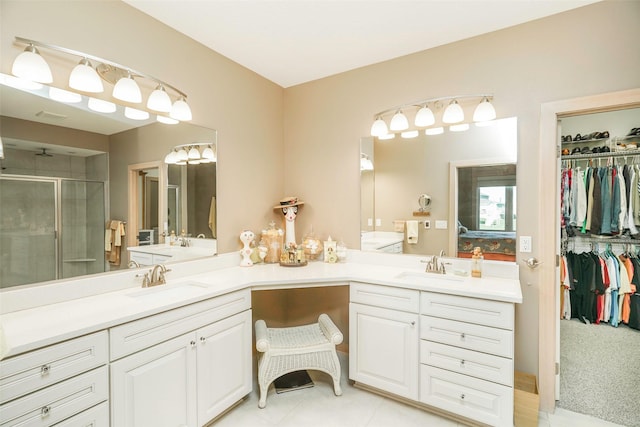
(476, 262)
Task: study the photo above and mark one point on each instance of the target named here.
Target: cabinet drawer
(473, 310)
(141, 258)
(98, 416)
(37, 369)
(467, 335)
(144, 333)
(468, 362)
(479, 400)
(385, 296)
(58, 402)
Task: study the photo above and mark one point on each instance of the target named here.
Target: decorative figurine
(289, 206)
(246, 237)
(330, 251)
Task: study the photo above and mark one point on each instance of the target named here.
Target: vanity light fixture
(425, 114)
(88, 75)
(365, 163)
(192, 154)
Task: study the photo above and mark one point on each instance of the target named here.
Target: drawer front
(98, 416)
(159, 259)
(385, 297)
(37, 369)
(469, 397)
(473, 310)
(58, 402)
(467, 335)
(467, 362)
(141, 258)
(144, 333)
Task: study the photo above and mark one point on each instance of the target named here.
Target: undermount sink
(165, 291)
(421, 276)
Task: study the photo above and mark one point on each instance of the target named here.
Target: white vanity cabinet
(64, 382)
(466, 356)
(147, 259)
(184, 366)
(383, 329)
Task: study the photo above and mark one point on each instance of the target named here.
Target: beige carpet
(600, 371)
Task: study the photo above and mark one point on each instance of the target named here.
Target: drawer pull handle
(413, 323)
(193, 343)
(45, 411)
(462, 335)
(202, 339)
(462, 396)
(462, 362)
(44, 369)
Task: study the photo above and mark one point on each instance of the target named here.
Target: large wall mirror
(468, 177)
(58, 196)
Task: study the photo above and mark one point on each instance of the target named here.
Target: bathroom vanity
(442, 342)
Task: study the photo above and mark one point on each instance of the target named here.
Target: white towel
(412, 232)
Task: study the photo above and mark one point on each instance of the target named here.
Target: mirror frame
(454, 165)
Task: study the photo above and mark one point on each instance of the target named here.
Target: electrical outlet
(370, 222)
(427, 224)
(378, 222)
(525, 244)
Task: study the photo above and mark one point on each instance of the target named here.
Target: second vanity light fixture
(191, 154)
(87, 77)
(453, 115)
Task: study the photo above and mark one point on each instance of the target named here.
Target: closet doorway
(550, 144)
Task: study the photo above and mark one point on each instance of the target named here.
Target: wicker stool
(297, 348)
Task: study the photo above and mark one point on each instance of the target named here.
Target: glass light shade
(135, 114)
(203, 160)
(379, 127)
(484, 111)
(101, 106)
(434, 131)
(126, 89)
(208, 154)
(31, 66)
(365, 163)
(399, 122)
(65, 96)
(194, 154)
(159, 100)
(171, 158)
(424, 117)
(181, 111)
(453, 113)
(194, 161)
(183, 155)
(459, 128)
(83, 77)
(167, 120)
(409, 134)
(387, 136)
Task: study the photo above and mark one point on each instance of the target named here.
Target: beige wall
(523, 66)
(243, 107)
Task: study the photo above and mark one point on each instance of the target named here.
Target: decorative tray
(293, 264)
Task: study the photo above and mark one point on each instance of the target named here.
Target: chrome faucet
(155, 276)
(435, 264)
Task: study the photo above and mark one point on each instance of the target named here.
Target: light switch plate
(441, 224)
(525, 244)
(370, 222)
(378, 222)
(427, 224)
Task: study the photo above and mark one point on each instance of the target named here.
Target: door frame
(133, 204)
(548, 194)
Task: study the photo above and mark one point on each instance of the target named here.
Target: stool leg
(336, 379)
(262, 402)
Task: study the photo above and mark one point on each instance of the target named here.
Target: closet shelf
(624, 153)
(604, 239)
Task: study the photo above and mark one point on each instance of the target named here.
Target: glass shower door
(27, 231)
(83, 225)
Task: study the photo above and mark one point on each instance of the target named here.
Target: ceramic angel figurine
(246, 237)
(289, 207)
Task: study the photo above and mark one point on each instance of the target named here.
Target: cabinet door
(98, 416)
(383, 349)
(224, 365)
(157, 386)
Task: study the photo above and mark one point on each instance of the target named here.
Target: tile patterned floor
(319, 407)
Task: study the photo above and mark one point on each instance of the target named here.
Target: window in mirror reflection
(497, 208)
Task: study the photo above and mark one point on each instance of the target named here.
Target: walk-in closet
(599, 281)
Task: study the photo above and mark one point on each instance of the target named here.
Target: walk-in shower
(52, 217)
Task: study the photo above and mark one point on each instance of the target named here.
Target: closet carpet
(600, 371)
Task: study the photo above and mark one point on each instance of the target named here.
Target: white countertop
(45, 324)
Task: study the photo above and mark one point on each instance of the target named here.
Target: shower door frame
(58, 228)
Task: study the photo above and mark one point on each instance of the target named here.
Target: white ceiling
(295, 41)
